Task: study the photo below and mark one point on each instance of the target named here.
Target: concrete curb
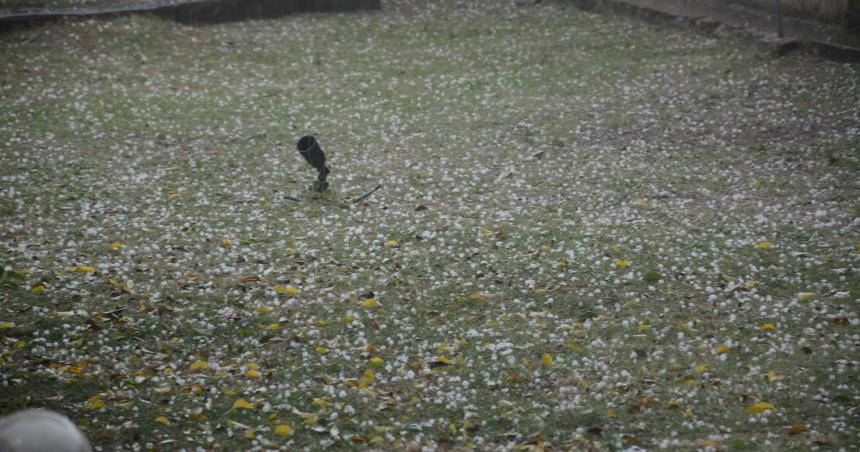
(826, 40)
(193, 12)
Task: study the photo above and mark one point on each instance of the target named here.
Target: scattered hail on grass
(593, 231)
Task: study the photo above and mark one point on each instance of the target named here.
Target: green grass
(546, 146)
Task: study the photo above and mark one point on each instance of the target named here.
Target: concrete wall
(845, 12)
(853, 18)
(194, 12)
(215, 11)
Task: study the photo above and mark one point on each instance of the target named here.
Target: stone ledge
(193, 12)
(830, 41)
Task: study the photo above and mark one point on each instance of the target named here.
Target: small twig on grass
(293, 198)
(238, 424)
(113, 313)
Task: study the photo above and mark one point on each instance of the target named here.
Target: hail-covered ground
(592, 232)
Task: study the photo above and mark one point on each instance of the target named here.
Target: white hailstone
(39, 430)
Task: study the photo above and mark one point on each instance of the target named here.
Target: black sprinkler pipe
(310, 149)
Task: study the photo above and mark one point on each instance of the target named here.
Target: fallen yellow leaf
(797, 428)
(546, 360)
(199, 364)
(764, 245)
(760, 407)
(767, 327)
(476, 296)
(701, 368)
(252, 373)
(283, 430)
(376, 361)
(806, 296)
(94, 403)
(251, 434)
(82, 269)
(116, 245)
(309, 418)
(369, 303)
(162, 420)
(321, 349)
(622, 263)
(392, 244)
(6, 325)
(749, 284)
(38, 288)
(243, 404)
(288, 290)
(441, 360)
(722, 349)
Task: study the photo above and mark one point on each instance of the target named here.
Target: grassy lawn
(592, 233)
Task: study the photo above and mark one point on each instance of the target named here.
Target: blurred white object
(38, 430)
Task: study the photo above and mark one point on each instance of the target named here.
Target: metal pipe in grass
(366, 195)
(357, 200)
